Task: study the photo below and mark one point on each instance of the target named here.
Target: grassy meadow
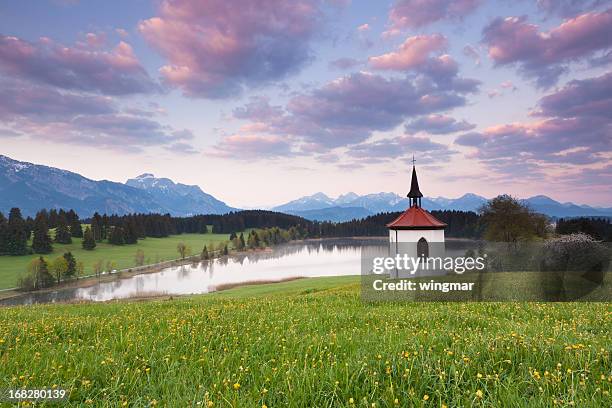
(155, 250)
(311, 343)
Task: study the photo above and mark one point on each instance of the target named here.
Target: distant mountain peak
(33, 187)
(320, 196)
(320, 207)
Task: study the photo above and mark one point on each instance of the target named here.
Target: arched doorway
(422, 248)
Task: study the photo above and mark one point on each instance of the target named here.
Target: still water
(330, 257)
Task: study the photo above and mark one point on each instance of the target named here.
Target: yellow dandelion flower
(425, 397)
(236, 386)
(210, 404)
(351, 401)
(479, 394)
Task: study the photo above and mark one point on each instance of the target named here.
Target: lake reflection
(330, 257)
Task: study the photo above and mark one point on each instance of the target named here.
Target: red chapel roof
(416, 218)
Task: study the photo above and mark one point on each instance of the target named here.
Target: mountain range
(349, 206)
(32, 187)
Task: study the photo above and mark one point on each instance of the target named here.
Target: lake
(303, 259)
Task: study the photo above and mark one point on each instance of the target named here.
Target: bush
(574, 262)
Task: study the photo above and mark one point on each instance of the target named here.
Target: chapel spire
(415, 194)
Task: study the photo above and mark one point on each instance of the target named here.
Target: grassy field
(311, 343)
(155, 249)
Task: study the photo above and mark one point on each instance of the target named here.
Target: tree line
(502, 217)
(15, 231)
(598, 228)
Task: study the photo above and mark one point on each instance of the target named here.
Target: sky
(262, 101)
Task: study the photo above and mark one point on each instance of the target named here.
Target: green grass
(311, 343)
(155, 249)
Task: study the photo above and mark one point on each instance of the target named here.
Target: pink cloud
(418, 13)
(214, 48)
(590, 97)
(83, 68)
(414, 52)
(249, 146)
(346, 111)
(400, 146)
(46, 114)
(576, 128)
(438, 124)
(545, 55)
(568, 8)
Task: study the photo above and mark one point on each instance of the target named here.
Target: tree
(37, 275)
(89, 243)
(41, 242)
(96, 227)
(253, 240)
(183, 250)
(508, 220)
(71, 265)
(204, 255)
(225, 250)
(116, 237)
(76, 230)
(58, 268)
(98, 267)
(241, 239)
(62, 232)
(139, 257)
(3, 234)
(17, 236)
(130, 231)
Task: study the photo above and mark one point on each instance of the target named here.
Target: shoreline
(92, 280)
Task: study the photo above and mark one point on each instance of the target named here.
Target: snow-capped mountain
(182, 198)
(336, 209)
(32, 187)
(313, 202)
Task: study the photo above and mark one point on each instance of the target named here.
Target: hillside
(32, 187)
(310, 343)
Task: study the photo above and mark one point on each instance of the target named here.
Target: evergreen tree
(115, 236)
(225, 250)
(76, 230)
(71, 265)
(17, 234)
(52, 222)
(241, 239)
(41, 242)
(96, 227)
(62, 233)
(89, 242)
(45, 279)
(130, 231)
(3, 235)
(232, 236)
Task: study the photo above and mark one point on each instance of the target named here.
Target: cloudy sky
(262, 101)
